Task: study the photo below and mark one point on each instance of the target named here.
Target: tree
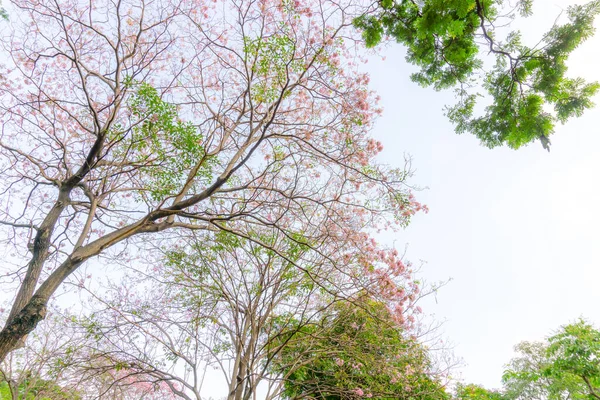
(566, 366)
(59, 362)
(122, 121)
(525, 376)
(575, 355)
(475, 392)
(357, 351)
(445, 39)
(563, 367)
(228, 303)
(35, 371)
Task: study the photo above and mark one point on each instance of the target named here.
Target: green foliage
(36, 388)
(526, 376)
(355, 351)
(4, 16)
(272, 58)
(575, 355)
(567, 366)
(528, 86)
(160, 138)
(201, 263)
(475, 392)
(4, 391)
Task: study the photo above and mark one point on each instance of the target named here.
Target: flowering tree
(229, 303)
(35, 372)
(358, 352)
(122, 121)
(60, 362)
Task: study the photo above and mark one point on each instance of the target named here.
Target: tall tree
(446, 39)
(575, 356)
(565, 366)
(230, 304)
(132, 118)
(526, 375)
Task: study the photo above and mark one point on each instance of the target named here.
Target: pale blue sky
(517, 231)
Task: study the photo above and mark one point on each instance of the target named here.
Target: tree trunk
(41, 244)
(34, 310)
(21, 325)
(13, 388)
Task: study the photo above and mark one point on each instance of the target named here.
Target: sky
(515, 231)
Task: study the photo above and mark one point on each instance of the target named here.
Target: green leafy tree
(36, 388)
(527, 377)
(566, 366)
(575, 355)
(476, 392)
(528, 86)
(357, 351)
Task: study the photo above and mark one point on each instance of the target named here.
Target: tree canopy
(565, 366)
(220, 156)
(527, 88)
(354, 352)
(136, 119)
